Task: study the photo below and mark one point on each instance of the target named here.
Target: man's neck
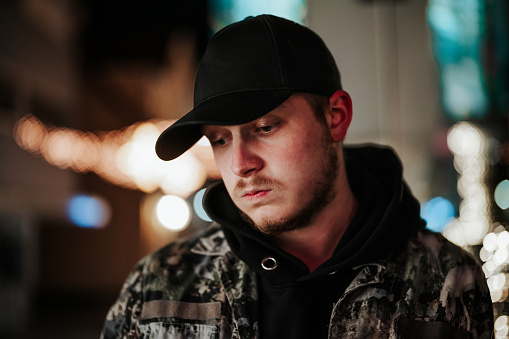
(316, 243)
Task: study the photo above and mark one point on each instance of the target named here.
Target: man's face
(280, 169)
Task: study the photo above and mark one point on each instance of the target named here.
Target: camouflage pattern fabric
(199, 289)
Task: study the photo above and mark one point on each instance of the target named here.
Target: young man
(312, 239)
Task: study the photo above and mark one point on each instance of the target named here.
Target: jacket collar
(212, 244)
(369, 274)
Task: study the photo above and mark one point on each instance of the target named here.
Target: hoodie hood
(388, 215)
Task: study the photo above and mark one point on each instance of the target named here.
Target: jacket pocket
(168, 330)
(169, 319)
(180, 309)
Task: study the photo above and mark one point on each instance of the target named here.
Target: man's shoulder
(182, 270)
(205, 244)
(435, 247)
(430, 260)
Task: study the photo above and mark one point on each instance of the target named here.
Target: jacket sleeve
(449, 288)
(464, 294)
(481, 307)
(122, 318)
(464, 299)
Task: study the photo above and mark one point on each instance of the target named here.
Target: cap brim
(229, 109)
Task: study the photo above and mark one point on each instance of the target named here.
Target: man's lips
(255, 194)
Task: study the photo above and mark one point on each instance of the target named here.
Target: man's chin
(269, 225)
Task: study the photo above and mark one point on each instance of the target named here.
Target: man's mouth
(255, 194)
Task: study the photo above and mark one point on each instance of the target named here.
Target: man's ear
(340, 105)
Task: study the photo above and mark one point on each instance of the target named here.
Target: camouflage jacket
(200, 289)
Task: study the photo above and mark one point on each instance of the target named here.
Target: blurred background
(87, 86)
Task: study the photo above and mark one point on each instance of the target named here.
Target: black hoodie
(295, 303)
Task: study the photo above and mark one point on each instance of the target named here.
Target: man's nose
(245, 160)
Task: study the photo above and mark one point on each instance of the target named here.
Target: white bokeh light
(490, 242)
(183, 175)
(503, 239)
(469, 144)
(173, 212)
(501, 322)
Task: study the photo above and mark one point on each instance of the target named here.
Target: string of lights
(123, 157)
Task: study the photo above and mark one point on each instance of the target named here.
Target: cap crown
(265, 53)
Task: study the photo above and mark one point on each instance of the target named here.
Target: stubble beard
(323, 193)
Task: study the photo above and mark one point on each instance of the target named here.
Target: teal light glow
(437, 212)
(88, 211)
(502, 194)
(198, 205)
(458, 30)
(224, 12)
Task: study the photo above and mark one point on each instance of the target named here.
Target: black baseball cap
(248, 69)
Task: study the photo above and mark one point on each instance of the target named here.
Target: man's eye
(218, 142)
(267, 128)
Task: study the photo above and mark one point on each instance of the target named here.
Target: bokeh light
(501, 326)
(458, 34)
(224, 12)
(470, 146)
(490, 242)
(88, 211)
(464, 138)
(173, 212)
(182, 176)
(137, 159)
(123, 157)
(502, 194)
(495, 255)
(438, 213)
(198, 205)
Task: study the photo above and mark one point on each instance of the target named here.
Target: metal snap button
(269, 263)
